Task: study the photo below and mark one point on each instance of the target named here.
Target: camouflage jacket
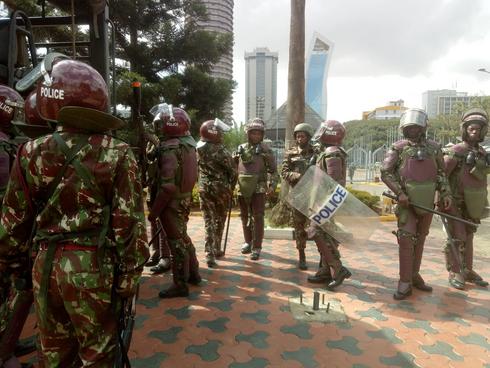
(395, 165)
(106, 197)
(7, 153)
(217, 171)
(257, 160)
(296, 162)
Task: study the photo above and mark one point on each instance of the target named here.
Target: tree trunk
(296, 71)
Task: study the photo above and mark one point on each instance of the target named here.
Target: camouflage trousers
(327, 247)
(78, 323)
(300, 223)
(214, 209)
(253, 209)
(174, 219)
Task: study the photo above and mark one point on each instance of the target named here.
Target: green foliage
(235, 137)
(374, 132)
(365, 197)
(195, 196)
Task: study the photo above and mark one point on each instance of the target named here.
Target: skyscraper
(260, 83)
(220, 19)
(317, 63)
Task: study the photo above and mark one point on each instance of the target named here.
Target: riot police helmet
(11, 107)
(474, 116)
(330, 132)
(212, 130)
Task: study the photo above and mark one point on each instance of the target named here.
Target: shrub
(365, 197)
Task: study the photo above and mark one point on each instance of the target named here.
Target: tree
(296, 70)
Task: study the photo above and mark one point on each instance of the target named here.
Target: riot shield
(329, 205)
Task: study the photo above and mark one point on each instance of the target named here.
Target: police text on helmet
(57, 94)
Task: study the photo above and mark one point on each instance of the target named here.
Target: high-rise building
(220, 19)
(430, 100)
(317, 63)
(260, 83)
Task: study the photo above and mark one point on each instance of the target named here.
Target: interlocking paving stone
(258, 339)
(305, 356)
(264, 272)
(404, 360)
(456, 294)
(480, 311)
(169, 336)
(290, 292)
(261, 316)
(373, 313)
(449, 316)
(149, 303)
(262, 285)
(363, 297)
(424, 325)
(231, 277)
(253, 363)
(208, 352)
(140, 320)
(259, 299)
(194, 295)
(347, 344)
(385, 333)
(230, 290)
(442, 348)
(302, 330)
(432, 299)
(179, 313)
(216, 325)
(224, 305)
(476, 339)
(357, 284)
(153, 361)
(404, 305)
(360, 366)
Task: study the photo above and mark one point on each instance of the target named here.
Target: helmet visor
(41, 70)
(413, 117)
(219, 124)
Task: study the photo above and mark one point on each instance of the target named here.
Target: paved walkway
(241, 315)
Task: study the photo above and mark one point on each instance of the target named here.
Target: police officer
(217, 179)
(11, 107)
(178, 174)
(467, 165)
(332, 160)
(257, 178)
(79, 190)
(295, 163)
(413, 170)
(160, 252)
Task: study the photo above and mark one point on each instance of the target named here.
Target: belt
(68, 246)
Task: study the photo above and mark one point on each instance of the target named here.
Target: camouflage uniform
(217, 178)
(92, 226)
(159, 248)
(415, 168)
(296, 162)
(332, 161)
(178, 174)
(257, 173)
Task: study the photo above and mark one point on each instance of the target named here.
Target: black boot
(321, 276)
(419, 283)
(404, 291)
(246, 248)
(163, 266)
(153, 261)
(339, 278)
(302, 260)
(456, 280)
(255, 254)
(211, 261)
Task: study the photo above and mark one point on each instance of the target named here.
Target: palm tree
(296, 71)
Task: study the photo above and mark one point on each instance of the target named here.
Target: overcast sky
(383, 49)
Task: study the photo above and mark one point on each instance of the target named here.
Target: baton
(431, 210)
(454, 249)
(228, 224)
(155, 237)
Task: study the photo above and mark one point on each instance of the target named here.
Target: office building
(317, 63)
(393, 110)
(220, 19)
(260, 83)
